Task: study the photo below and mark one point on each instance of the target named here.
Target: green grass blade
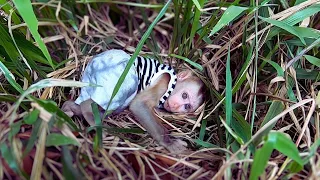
(276, 66)
(11, 98)
(26, 11)
(203, 129)
(313, 60)
(151, 42)
(307, 32)
(55, 139)
(204, 143)
(285, 145)
(228, 111)
(183, 34)
(312, 151)
(197, 4)
(9, 76)
(278, 141)
(33, 54)
(304, 32)
(241, 126)
(302, 14)
(303, 51)
(52, 108)
(299, 1)
(260, 160)
(9, 158)
(284, 4)
(33, 138)
(5, 5)
(268, 57)
(305, 74)
(11, 52)
(48, 83)
(69, 171)
(275, 108)
(196, 20)
(295, 167)
(284, 26)
(98, 122)
(32, 117)
(231, 132)
(229, 15)
(156, 6)
(243, 71)
(14, 129)
(228, 104)
(176, 28)
(194, 64)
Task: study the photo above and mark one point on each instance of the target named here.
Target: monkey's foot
(70, 108)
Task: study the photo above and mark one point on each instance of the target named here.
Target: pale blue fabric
(105, 70)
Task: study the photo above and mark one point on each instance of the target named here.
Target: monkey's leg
(86, 110)
(87, 113)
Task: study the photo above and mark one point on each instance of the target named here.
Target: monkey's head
(188, 94)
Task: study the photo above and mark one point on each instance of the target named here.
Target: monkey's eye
(184, 95)
(187, 106)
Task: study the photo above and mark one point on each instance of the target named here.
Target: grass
(259, 61)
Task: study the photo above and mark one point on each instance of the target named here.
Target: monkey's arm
(142, 107)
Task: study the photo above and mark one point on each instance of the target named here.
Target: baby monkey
(148, 85)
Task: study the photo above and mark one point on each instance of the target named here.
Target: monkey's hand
(175, 146)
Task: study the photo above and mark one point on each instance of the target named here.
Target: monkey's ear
(184, 75)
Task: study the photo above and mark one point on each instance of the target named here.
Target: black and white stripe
(148, 70)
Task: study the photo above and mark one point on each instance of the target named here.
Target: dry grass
(137, 155)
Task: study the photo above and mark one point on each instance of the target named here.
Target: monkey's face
(184, 98)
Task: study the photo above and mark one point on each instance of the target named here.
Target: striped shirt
(148, 71)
